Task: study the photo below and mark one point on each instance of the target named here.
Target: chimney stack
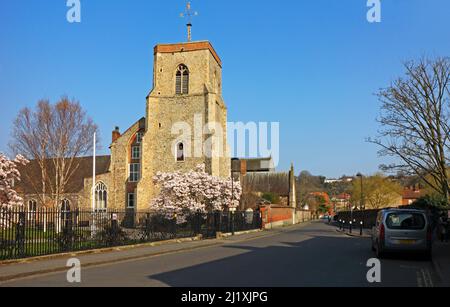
(243, 167)
(115, 134)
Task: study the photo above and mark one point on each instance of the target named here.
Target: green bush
(432, 202)
(272, 198)
(323, 208)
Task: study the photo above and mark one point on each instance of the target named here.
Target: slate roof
(31, 174)
(267, 182)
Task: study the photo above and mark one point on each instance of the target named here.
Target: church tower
(186, 116)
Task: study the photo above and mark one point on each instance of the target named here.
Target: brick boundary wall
(278, 216)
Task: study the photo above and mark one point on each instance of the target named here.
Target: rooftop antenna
(188, 14)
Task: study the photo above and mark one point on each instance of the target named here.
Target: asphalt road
(312, 255)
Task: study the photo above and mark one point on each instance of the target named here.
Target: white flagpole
(93, 177)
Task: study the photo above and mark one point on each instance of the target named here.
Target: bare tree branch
(54, 136)
(415, 122)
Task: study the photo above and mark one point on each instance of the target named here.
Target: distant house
(411, 194)
(341, 202)
(331, 180)
(347, 179)
(342, 179)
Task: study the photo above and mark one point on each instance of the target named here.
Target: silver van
(402, 230)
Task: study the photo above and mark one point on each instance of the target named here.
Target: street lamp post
(233, 162)
(351, 216)
(362, 205)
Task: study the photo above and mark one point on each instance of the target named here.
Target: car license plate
(407, 242)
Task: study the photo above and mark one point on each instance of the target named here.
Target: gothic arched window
(32, 205)
(65, 205)
(32, 209)
(180, 152)
(182, 80)
(101, 197)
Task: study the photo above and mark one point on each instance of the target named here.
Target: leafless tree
(54, 136)
(415, 123)
(249, 200)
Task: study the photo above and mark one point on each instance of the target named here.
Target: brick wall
(278, 216)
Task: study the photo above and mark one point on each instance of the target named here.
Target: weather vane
(188, 14)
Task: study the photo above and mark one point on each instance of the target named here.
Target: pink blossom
(8, 174)
(193, 191)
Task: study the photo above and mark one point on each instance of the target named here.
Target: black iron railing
(35, 233)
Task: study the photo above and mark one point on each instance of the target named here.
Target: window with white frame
(136, 152)
(101, 197)
(131, 200)
(135, 171)
(32, 205)
(139, 137)
(65, 205)
(32, 209)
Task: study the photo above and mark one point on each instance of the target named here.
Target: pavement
(312, 254)
(16, 269)
(441, 261)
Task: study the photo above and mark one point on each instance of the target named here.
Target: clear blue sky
(311, 65)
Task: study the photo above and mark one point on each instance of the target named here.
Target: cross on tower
(188, 14)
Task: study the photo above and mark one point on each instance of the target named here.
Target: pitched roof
(412, 194)
(267, 183)
(141, 123)
(31, 178)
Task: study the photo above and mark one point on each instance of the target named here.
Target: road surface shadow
(315, 261)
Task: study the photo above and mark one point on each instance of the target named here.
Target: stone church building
(184, 126)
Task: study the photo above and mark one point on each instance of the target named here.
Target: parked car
(402, 230)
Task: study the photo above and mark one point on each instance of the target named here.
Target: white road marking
(427, 278)
(419, 280)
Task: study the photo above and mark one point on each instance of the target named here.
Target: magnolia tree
(194, 191)
(8, 196)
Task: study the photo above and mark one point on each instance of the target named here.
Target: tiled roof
(412, 194)
(31, 178)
